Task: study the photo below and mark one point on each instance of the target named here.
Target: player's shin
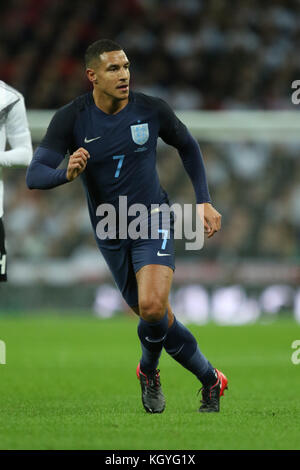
(183, 347)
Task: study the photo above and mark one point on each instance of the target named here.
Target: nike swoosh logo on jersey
(163, 254)
(87, 141)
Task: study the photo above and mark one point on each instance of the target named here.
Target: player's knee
(152, 309)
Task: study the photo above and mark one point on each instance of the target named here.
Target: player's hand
(210, 217)
(77, 163)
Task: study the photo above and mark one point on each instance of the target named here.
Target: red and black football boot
(211, 395)
(152, 396)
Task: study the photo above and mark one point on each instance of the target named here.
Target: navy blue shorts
(125, 257)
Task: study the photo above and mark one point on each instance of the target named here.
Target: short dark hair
(98, 47)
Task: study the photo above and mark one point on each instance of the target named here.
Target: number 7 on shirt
(120, 163)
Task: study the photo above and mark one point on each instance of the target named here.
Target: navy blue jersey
(122, 162)
(122, 148)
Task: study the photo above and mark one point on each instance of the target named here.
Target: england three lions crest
(140, 133)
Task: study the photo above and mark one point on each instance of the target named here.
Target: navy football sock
(183, 347)
(152, 336)
(149, 361)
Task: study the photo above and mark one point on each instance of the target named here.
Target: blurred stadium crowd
(197, 54)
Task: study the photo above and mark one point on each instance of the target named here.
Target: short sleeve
(172, 130)
(59, 135)
(17, 129)
(16, 122)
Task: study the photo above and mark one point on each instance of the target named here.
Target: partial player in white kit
(14, 130)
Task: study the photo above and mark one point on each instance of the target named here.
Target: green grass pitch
(70, 383)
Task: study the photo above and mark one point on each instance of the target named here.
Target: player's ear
(91, 75)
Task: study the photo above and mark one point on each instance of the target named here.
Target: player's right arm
(43, 171)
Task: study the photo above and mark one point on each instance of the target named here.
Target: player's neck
(107, 104)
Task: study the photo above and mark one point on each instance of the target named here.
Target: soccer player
(14, 128)
(111, 134)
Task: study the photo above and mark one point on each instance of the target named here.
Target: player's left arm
(175, 133)
(18, 136)
(191, 157)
